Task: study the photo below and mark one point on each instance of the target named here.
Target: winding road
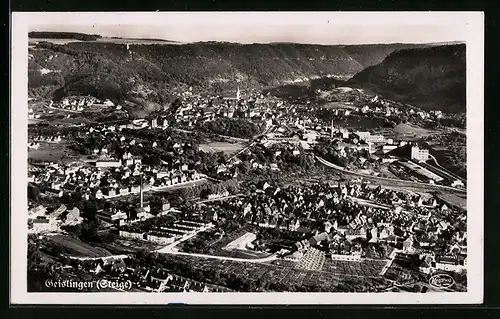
(218, 199)
(172, 250)
(445, 170)
(256, 261)
(253, 142)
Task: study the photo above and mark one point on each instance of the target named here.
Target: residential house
(112, 216)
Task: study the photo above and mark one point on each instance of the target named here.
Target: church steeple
(238, 93)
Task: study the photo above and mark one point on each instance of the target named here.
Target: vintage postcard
(247, 158)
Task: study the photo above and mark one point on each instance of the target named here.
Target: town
(250, 192)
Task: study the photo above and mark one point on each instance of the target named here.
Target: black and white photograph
(236, 158)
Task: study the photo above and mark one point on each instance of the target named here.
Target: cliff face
(430, 78)
(154, 71)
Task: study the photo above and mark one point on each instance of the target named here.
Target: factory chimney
(331, 129)
(142, 194)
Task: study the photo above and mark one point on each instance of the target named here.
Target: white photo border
(470, 24)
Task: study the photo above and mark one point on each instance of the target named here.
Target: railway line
(392, 181)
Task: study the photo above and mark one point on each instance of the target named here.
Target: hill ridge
(430, 78)
(154, 72)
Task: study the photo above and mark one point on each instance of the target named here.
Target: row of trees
(327, 149)
(231, 127)
(286, 160)
(204, 162)
(202, 191)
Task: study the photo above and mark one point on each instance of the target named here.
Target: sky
(265, 28)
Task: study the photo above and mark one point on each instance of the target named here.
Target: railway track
(392, 181)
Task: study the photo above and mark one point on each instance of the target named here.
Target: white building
(108, 163)
(419, 154)
(42, 225)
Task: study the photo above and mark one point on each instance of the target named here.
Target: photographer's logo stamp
(441, 281)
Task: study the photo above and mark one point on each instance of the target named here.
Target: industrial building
(419, 154)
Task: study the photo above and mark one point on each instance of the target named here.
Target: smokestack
(331, 129)
(142, 194)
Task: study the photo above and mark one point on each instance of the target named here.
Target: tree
(205, 192)
(90, 210)
(187, 193)
(244, 167)
(34, 256)
(232, 186)
(89, 230)
(152, 160)
(33, 193)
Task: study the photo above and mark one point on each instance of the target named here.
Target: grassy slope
(432, 78)
(152, 71)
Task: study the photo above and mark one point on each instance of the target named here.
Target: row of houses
(48, 138)
(42, 221)
(149, 279)
(345, 215)
(165, 234)
(142, 211)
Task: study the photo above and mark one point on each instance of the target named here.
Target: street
(219, 198)
(170, 249)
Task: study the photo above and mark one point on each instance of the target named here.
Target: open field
(227, 246)
(78, 248)
(363, 268)
(132, 198)
(277, 278)
(462, 131)
(410, 129)
(32, 41)
(226, 147)
(359, 123)
(338, 105)
(385, 172)
(453, 200)
(54, 152)
(407, 131)
(240, 253)
(34, 121)
(125, 245)
(241, 242)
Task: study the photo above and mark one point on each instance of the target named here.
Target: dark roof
(40, 220)
(159, 273)
(447, 260)
(196, 286)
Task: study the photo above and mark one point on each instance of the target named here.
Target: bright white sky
(319, 28)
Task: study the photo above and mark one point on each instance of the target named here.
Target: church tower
(238, 94)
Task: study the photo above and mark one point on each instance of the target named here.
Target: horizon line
(179, 42)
